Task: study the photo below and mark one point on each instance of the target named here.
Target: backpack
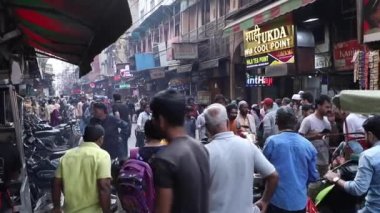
(135, 185)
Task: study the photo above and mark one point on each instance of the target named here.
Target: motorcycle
(333, 199)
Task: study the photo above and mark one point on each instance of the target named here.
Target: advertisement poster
(343, 53)
(258, 81)
(269, 47)
(270, 59)
(371, 25)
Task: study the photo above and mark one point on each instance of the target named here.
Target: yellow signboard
(258, 43)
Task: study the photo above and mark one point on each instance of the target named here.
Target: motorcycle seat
(58, 154)
(46, 133)
(56, 149)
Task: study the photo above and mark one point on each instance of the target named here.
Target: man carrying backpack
(84, 176)
(137, 172)
(181, 170)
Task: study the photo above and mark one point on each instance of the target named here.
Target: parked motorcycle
(333, 199)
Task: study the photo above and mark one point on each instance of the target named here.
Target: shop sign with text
(157, 74)
(269, 47)
(343, 53)
(322, 60)
(185, 51)
(270, 59)
(258, 81)
(122, 86)
(258, 42)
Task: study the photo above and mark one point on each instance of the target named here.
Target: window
(213, 10)
(221, 8)
(228, 7)
(151, 4)
(166, 33)
(142, 14)
(206, 14)
(193, 17)
(185, 22)
(176, 30)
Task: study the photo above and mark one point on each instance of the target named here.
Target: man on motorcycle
(368, 176)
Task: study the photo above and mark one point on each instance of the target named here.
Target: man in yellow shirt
(84, 176)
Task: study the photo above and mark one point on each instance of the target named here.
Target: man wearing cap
(269, 120)
(295, 160)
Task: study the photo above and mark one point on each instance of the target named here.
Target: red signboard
(343, 53)
(117, 78)
(77, 91)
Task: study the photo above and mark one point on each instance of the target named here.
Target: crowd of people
(286, 141)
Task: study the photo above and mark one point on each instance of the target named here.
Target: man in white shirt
(201, 127)
(144, 116)
(354, 124)
(233, 161)
(79, 109)
(315, 127)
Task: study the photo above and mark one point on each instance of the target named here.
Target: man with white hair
(245, 122)
(233, 161)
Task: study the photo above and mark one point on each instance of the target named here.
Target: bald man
(230, 157)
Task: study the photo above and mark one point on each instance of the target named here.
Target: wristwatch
(335, 179)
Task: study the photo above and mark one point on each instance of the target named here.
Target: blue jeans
(82, 125)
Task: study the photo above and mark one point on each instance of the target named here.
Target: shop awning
(265, 14)
(71, 30)
(352, 101)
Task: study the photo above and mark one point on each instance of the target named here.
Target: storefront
(274, 56)
(211, 76)
(366, 60)
(269, 47)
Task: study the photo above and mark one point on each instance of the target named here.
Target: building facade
(200, 47)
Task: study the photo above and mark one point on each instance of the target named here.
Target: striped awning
(71, 30)
(265, 14)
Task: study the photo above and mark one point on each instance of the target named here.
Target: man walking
(295, 160)
(269, 120)
(115, 141)
(233, 161)
(144, 116)
(119, 109)
(181, 170)
(84, 176)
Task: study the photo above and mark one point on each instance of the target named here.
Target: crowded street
(190, 106)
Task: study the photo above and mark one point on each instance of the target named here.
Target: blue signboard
(144, 61)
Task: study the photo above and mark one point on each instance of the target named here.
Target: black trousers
(275, 209)
(140, 139)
